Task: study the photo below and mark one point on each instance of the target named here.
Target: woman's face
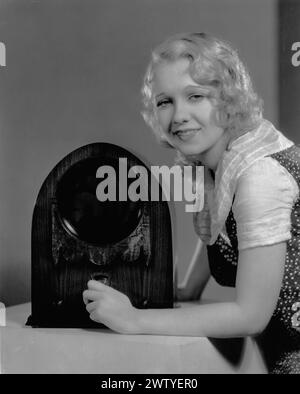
(185, 113)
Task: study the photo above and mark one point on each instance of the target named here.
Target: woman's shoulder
(269, 177)
(267, 170)
(264, 198)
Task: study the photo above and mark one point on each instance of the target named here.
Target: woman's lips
(186, 134)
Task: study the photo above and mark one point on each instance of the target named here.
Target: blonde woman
(200, 101)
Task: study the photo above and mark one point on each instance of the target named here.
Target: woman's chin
(190, 152)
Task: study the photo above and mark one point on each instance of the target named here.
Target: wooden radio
(77, 237)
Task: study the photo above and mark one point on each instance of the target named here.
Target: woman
(199, 100)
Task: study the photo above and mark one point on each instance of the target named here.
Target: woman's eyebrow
(160, 95)
(196, 87)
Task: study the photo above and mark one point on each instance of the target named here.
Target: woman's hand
(110, 307)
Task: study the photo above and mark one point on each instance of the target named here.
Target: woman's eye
(162, 103)
(196, 97)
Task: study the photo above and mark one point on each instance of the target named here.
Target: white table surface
(30, 350)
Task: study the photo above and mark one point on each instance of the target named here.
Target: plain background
(73, 76)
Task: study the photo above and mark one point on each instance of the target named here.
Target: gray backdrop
(73, 76)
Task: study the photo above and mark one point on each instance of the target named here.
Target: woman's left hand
(110, 307)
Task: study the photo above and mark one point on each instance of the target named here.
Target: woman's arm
(196, 277)
(259, 277)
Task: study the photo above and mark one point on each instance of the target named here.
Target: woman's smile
(185, 134)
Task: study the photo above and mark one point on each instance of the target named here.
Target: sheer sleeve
(263, 203)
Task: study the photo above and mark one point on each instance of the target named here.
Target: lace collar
(240, 155)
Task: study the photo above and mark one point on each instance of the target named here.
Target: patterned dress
(280, 341)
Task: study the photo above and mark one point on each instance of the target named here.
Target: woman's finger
(92, 316)
(90, 295)
(97, 285)
(95, 317)
(91, 306)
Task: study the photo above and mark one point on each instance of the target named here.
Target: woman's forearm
(248, 314)
(258, 282)
(209, 320)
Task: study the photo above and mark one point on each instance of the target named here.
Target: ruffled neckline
(239, 156)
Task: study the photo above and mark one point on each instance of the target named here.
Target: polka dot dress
(280, 341)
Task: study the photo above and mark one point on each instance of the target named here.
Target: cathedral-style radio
(78, 236)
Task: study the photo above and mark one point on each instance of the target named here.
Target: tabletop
(30, 350)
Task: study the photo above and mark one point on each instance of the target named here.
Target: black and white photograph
(150, 177)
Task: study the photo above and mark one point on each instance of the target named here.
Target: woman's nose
(181, 114)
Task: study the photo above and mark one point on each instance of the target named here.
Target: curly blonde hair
(217, 66)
